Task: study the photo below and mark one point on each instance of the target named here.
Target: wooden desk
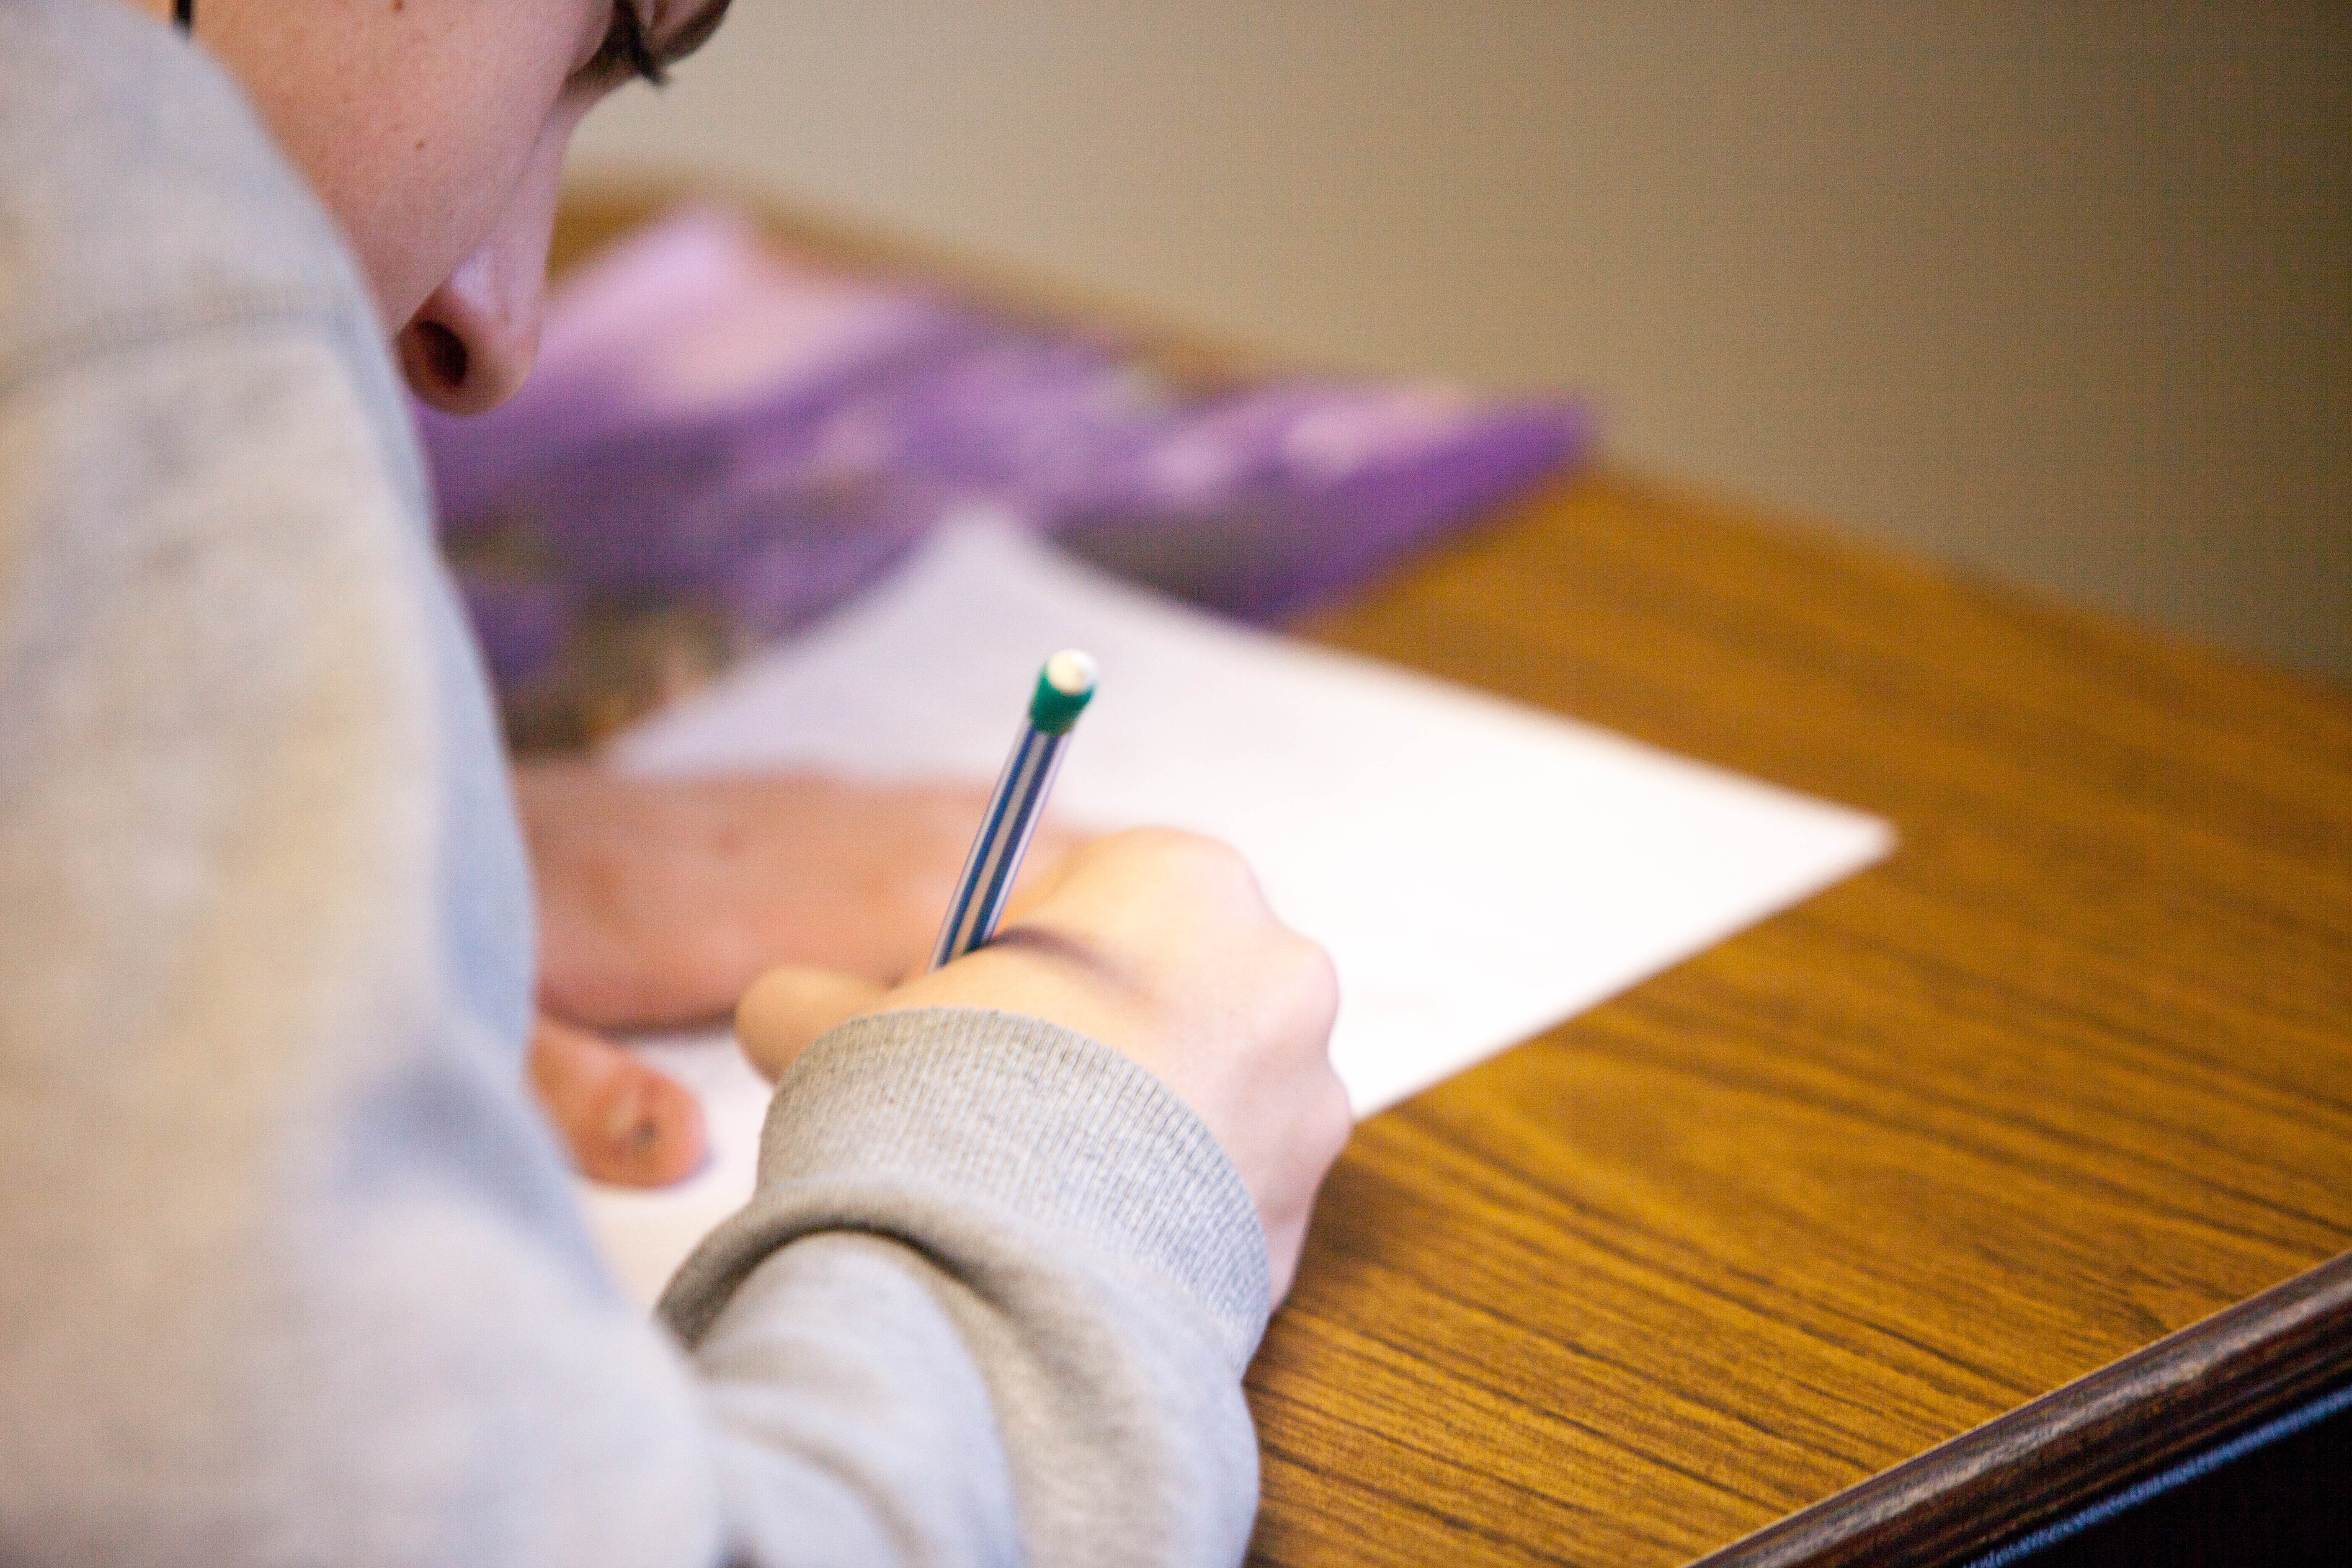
(2071, 1072)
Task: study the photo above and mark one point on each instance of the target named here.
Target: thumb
(789, 1006)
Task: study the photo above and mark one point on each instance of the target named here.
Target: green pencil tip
(1063, 688)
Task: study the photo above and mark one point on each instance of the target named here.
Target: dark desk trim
(2256, 1360)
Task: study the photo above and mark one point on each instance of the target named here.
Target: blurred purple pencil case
(719, 445)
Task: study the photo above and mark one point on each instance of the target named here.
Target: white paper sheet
(1477, 870)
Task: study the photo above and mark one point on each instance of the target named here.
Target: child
(293, 1272)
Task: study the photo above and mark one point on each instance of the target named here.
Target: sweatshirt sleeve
(997, 1285)
(293, 1271)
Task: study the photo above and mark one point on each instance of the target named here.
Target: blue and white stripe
(1013, 814)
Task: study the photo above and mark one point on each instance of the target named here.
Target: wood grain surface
(2130, 1421)
(2071, 1071)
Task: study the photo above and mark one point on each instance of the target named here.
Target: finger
(788, 1007)
(625, 1122)
(1045, 869)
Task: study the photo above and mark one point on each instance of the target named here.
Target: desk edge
(2103, 1431)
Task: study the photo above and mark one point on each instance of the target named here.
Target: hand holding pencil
(1159, 944)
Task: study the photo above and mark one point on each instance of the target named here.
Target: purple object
(713, 427)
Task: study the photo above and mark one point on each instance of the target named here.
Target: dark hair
(183, 14)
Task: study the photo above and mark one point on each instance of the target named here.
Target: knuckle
(1326, 968)
(1314, 979)
(1159, 841)
(1193, 860)
(1212, 860)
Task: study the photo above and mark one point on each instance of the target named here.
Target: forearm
(991, 1302)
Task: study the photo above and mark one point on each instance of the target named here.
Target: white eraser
(1071, 672)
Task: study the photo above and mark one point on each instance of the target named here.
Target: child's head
(435, 130)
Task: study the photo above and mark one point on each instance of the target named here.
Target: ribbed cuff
(992, 1112)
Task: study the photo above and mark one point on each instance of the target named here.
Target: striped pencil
(1064, 687)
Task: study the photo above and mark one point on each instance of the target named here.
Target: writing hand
(1159, 944)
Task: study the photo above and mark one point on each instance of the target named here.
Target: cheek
(456, 105)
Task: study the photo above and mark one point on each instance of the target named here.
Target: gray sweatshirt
(290, 1269)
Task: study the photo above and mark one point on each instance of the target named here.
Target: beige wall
(2060, 291)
